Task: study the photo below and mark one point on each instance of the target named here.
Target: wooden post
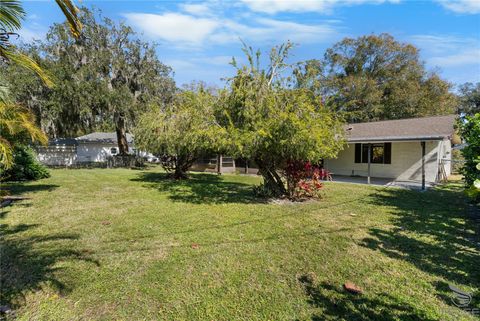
(423, 165)
(219, 164)
(369, 161)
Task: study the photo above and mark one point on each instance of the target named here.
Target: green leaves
(28, 63)
(106, 71)
(272, 123)
(186, 128)
(11, 15)
(17, 125)
(375, 77)
(476, 183)
(469, 98)
(470, 132)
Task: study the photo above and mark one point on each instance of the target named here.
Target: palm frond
(6, 153)
(4, 93)
(16, 124)
(71, 13)
(10, 54)
(11, 14)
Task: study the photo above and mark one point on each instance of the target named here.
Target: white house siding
(57, 155)
(445, 156)
(406, 161)
(94, 152)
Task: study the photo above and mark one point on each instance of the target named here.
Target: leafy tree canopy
(470, 132)
(376, 77)
(104, 79)
(181, 131)
(469, 98)
(272, 122)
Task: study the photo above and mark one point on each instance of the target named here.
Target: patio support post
(219, 164)
(369, 161)
(423, 165)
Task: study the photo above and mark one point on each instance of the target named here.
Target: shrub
(25, 166)
(470, 132)
(473, 191)
(303, 179)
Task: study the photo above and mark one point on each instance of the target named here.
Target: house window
(380, 153)
(113, 150)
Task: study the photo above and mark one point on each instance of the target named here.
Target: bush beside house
(25, 166)
(470, 131)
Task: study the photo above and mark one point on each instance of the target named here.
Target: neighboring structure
(97, 147)
(210, 164)
(59, 152)
(403, 150)
(228, 165)
(92, 148)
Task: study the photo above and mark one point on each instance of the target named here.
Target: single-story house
(417, 149)
(92, 148)
(58, 152)
(97, 147)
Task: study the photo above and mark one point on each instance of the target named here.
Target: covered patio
(412, 153)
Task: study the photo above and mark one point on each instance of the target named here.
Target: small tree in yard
(181, 132)
(275, 125)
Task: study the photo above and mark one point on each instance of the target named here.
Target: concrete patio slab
(378, 181)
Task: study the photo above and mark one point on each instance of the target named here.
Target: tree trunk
(272, 181)
(179, 173)
(121, 133)
(182, 165)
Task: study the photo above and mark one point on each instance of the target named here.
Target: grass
(130, 245)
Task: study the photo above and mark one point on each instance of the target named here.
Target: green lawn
(128, 244)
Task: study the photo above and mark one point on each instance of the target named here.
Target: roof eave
(395, 139)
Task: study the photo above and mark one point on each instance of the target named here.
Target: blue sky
(198, 38)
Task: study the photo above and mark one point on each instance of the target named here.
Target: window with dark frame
(380, 153)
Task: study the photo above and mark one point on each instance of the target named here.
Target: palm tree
(11, 16)
(17, 124)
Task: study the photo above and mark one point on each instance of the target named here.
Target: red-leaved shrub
(303, 179)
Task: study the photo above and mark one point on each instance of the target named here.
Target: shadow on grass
(18, 189)
(431, 231)
(200, 188)
(28, 262)
(335, 303)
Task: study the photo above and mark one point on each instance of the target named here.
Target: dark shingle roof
(63, 142)
(98, 137)
(426, 128)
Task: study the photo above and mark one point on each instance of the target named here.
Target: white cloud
(173, 27)
(440, 44)
(196, 9)
(449, 50)
(469, 56)
(458, 57)
(186, 30)
(29, 34)
(461, 6)
(274, 31)
(206, 68)
(325, 6)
